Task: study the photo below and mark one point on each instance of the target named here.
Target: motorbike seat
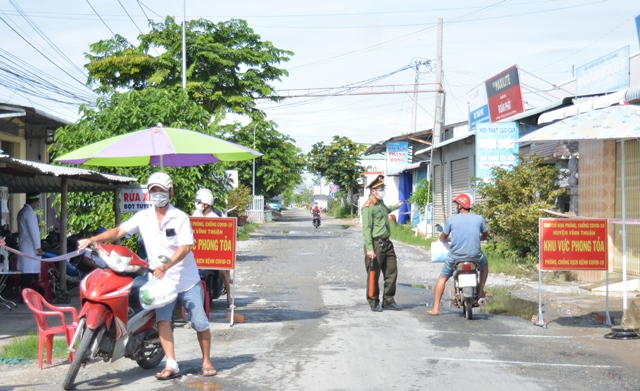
(475, 263)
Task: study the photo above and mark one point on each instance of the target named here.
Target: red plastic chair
(44, 281)
(37, 304)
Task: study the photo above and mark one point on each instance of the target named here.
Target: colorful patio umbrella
(159, 146)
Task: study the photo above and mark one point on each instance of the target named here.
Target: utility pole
(437, 126)
(414, 118)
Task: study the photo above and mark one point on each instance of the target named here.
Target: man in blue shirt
(467, 230)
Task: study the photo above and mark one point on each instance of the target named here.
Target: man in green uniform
(378, 247)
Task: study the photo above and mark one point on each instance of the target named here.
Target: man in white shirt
(29, 240)
(166, 231)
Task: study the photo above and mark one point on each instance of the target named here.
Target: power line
(130, 18)
(100, 17)
(40, 52)
(45, 37)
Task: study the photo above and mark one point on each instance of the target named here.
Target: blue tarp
(404, 191)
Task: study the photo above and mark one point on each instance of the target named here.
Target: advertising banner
(134, 199)
(606, 74)
(638, 27)
(215, 242)
(573, 244)
(478, 107)
(397, 156)
(504, 95)
(495, 147)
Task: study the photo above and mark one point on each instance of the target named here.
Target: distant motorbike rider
(467, 230)
(315, 211)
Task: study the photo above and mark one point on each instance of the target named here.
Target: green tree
(422, 195)
(511, 204)
(338, 162)
(122, 113)
(228, 65)
(279, 170)
(302, 197)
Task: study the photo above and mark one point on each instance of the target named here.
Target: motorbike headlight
(118, 263)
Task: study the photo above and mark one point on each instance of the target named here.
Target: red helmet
(465, 200)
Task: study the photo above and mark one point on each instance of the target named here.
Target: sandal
(167, 373)
(432, 313)
(209, 372)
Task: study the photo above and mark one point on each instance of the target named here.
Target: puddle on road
(500, 303)
(203, 385)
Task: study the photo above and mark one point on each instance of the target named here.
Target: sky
(336, 43)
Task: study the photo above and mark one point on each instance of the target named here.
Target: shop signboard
(478, 107)
(495, 147)
(134, 199)
(605, 74)
(397, 156)
(504, 95)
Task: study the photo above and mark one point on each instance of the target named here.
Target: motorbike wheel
(153, 355)
(214, 284)
(468, 307)
(88, 337)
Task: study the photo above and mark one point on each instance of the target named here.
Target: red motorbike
(112, 322)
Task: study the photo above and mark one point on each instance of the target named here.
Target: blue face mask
(160, 199)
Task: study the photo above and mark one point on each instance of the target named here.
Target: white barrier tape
(54, 259)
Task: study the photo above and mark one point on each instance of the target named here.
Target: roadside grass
(26, 347)
(404, 233)
(245, 230)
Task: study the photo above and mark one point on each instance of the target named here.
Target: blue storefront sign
(495, 147)
(397, 156)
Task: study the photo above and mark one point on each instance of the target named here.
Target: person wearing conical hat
(378, 247)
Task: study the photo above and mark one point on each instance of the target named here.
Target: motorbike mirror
(164, 259)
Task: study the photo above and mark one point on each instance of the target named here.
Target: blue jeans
(193, 300)
(447, 268)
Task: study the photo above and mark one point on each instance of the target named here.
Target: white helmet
(161, 180)
(204, 196)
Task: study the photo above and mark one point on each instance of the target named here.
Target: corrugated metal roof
(530, 113)
(583, 107)
(633, 94)
(22, 176)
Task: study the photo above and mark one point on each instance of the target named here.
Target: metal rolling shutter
(440, 194)
(459, 176)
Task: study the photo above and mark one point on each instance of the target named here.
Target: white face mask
(381, 194)
(199, 206)
(160, 199)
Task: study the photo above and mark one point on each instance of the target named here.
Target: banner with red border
(573, 244)
(214, 242)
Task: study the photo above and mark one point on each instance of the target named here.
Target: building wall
(454, 156)
(631, 180)
(597, 186)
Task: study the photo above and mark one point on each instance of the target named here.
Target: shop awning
(22, 176)
(583, 107)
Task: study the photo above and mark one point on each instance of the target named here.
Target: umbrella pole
(624, 229)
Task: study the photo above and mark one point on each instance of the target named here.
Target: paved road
(308, 327)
